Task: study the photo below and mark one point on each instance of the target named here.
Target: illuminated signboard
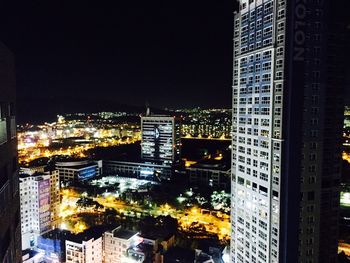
(156, 132)
(44, 205)
(87, 173)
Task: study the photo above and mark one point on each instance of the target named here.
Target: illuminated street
(214, 222)
(346, 156)
(344, 247)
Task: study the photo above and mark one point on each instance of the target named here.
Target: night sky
(169, 53)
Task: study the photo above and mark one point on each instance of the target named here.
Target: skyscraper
(287, 120)
(10, 227)
(160, 139)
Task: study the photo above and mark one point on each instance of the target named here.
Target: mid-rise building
(74, 171)
(160, 139)
(147, 171)
(287, 125)
(40, 199)
(116, 244)
(10, 228)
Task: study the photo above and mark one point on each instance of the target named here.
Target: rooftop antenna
(148, 110)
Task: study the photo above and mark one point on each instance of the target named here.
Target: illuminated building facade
(40, 200)
(287, 121)
(207, 130)
(10, 229)
(160, 139)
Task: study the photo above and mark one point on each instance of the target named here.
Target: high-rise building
(160, 139)
(287, 121)
(40, 199)
(10, 228)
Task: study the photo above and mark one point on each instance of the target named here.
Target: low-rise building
(74, 171)
(147, 171)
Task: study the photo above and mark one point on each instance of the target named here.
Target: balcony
(3, 131)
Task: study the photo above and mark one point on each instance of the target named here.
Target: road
(219, 224)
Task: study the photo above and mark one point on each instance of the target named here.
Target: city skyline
(189, 132)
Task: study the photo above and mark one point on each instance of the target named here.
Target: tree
(110, 216)
(343, 258)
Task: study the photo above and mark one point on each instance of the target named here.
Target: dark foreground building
(287, 124)
(10, 227)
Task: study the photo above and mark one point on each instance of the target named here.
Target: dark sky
(171, 53)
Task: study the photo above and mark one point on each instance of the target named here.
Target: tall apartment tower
(10, 227)
(160, 139)
(287, 121)
(39, 199)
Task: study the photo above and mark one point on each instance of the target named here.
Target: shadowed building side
(10, 227)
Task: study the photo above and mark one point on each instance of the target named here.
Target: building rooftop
(56, 234)
(158, 116)
(37, 175)
(124, 233)
(158, 236)
(77, 166)
(211, 164)
(93, 232)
